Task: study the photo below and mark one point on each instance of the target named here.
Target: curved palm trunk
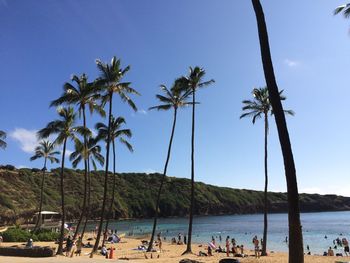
(296, 251)
(83, 209)
(162, 182)
(189, 238)
(106, 179)
(113, 193)
(41, 197)
(60, 244)
(264, 245)
(88, 200)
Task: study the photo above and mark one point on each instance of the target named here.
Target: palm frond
(127, 144)
(127, 99)
(343, 8)
(161, 107)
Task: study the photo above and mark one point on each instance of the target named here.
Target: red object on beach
(111, 253)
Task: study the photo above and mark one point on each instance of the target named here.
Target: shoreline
(125, 250)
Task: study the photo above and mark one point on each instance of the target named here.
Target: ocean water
(319, 229)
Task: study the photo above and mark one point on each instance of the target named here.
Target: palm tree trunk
(113, 192)
(296, 251)
(85, 179)
(88, 208)
(264, 245)
(60, 244)
(106, 179)
(162, 182)
(189, 238)
(41, 197)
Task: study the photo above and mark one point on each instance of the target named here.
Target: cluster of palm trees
(76, 99)
(96, 95)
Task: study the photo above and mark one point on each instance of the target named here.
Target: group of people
(179, 240)
(230, 247)
(73, 246)
(338, 242)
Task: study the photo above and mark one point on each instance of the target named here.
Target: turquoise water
(243, 227)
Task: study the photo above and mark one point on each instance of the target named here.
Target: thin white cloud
(291, 63)
(26, 138)
(142, 111)
(139, 112)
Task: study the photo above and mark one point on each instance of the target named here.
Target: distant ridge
(136, 196)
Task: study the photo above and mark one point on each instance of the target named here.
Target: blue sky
(43, 42)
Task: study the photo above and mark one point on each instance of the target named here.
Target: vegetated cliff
(136, 193)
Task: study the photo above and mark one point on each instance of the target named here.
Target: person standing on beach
(160, 243)
(179, 239)
(346, 246)
(69, 243)
(79, 245)
(256, 247)
(233, 241)
(228, 246)
(73, 248)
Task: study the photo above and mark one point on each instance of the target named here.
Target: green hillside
(136, 196)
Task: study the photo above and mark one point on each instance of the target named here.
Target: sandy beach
(124, 251)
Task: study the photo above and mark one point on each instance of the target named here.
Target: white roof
(47, 213)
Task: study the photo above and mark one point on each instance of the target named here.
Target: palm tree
(3, 144)
(172, 99)
(47, 151)
(83, 95)
(296, 250)
(90, 153)
(345, 9)
(191, 83)
(115, 133)
(261, 106)
(64, 129)
(109, 83)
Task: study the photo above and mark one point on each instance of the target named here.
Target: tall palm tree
(90, 153)
(172, 99)
(109, 83)
(116, 132)
(192, 82)
(83, 95)
(64, 129)
(45, 150)
(261, 106)
(345, 9)
(3, 144)
(296, 250)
